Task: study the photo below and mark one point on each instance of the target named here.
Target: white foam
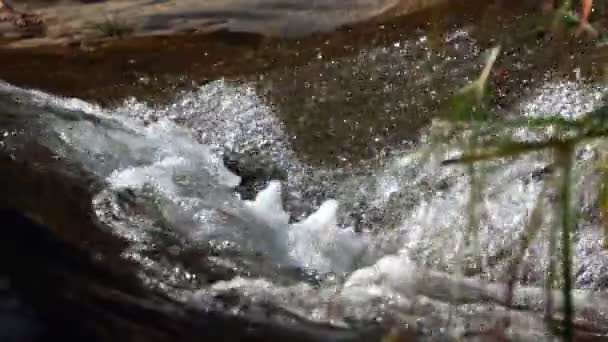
(268, 205)
(315, 243)
(318, 243)
(395, 272)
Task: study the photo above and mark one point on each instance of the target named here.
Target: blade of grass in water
(527, 236)
(564, 156)
(603, 194)
(550, 277)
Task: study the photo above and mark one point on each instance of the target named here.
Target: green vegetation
(484, 137)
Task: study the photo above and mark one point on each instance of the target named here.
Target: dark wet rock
(18, 322)
(255, 171)
(69, 296)
(35, 181)
(97, 21)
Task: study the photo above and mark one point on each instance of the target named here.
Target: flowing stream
(212, 179)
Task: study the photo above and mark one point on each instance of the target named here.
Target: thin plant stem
(550, 276)
(603, 195)
(564, 159)
(472, 235)
(527, 236)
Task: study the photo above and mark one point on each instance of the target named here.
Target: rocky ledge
(75, 22)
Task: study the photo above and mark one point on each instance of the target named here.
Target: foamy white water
(167, 159)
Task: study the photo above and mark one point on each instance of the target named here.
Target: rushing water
(377, 242)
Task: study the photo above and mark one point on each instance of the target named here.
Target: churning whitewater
(166, 177)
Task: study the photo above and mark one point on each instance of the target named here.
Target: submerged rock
(255, 171)
(55, 291)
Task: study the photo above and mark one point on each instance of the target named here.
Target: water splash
(397, 281)
(153, 161)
